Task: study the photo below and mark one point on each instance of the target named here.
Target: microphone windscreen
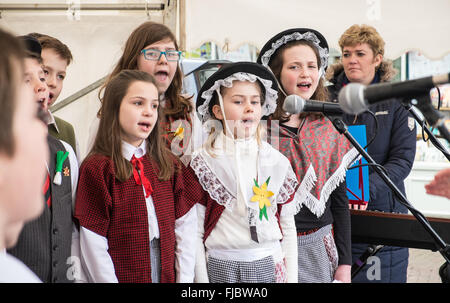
(293, 104)
(351, 98)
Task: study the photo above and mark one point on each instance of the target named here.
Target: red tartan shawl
(117, 210)
(319, 156)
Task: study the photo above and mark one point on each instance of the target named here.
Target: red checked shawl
(117, 210)
(319, 156)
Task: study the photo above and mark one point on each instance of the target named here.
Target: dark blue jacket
(394, 147)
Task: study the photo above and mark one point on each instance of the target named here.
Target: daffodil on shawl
(262, 196)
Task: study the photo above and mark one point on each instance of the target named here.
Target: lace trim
(281, 272)
(332, 253)
(211, 183)
(268, 107)
(288, 187)
(303, 190)
(316, 206)
(309, 36)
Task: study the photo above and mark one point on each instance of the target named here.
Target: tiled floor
(424, 266)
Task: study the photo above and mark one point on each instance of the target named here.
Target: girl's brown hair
(11, 70)
(108, 141)
(144, 35)
(276, 65)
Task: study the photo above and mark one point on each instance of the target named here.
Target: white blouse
(231, 235)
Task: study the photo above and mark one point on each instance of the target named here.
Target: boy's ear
(217, 111)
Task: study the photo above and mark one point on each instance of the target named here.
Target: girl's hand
(343, 274)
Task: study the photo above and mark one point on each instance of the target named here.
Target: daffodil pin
(262, 195)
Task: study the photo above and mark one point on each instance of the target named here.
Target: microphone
(294, 104)
(355, 98)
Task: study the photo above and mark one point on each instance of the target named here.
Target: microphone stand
(433, 116)
(444, 248)
(430, 135)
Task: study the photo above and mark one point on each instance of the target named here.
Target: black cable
(439, 98)
(370, 141)
(426, 138)
(376, 128)
(370, 164)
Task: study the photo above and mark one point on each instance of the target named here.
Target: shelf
(435, 166)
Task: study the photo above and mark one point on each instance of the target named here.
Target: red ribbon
(141, 179)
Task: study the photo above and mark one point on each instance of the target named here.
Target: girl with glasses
(152, 48)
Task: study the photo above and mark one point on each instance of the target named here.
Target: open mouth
(50, 97)
(304, 85)
(161, 75)
(144, 126)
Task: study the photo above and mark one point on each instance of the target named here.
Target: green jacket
(65, 132)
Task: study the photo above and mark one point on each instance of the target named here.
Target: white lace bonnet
(240, 71)
(292, 35)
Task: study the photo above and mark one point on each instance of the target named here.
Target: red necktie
(138, 166)
(47, 191)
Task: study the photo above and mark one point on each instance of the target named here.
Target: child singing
(134, 199)
(246, 225)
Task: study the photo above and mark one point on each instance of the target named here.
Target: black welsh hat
(240, 71)
(293, 34)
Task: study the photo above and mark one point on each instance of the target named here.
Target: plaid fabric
(117, 210)
(229, 271)
(317, 257)
(212, 215)
(317, 143)
(155, 260)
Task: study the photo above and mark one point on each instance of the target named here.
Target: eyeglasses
(155, 55)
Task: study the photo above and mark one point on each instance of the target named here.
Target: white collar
(221, 175)
(129, 150)
(226, 144)
(51, 120)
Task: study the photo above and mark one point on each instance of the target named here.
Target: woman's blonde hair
(358, 34)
